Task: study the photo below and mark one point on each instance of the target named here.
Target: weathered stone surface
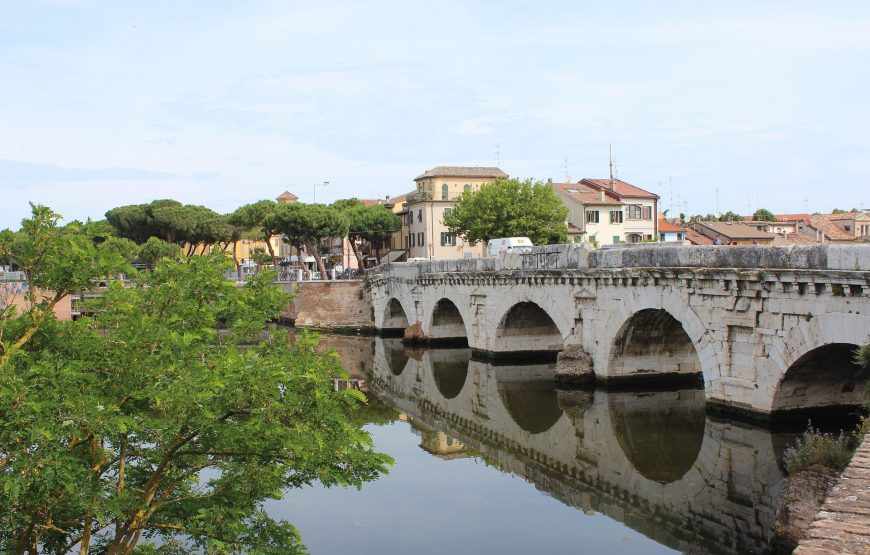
(414, 333)
(750, 315)
(329, 304)
(574, 365)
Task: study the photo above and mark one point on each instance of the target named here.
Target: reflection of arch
(450, 370)
(824, 376)
(447, 322)
(396, 356)
(395, 316)
(661, 433)
(652, 341)
(532, 403)
(528, 327)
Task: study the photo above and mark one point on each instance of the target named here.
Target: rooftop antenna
(566, 170)
(806, 206)
(717, 200)
(498, 156)
(610, 158)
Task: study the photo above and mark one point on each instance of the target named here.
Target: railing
(12, 276)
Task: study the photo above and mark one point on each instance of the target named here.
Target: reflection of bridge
(769, 328)
(649, 460)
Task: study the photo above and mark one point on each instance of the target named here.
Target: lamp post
(314, 195)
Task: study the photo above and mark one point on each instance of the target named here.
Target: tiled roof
(805, 218)
(287, 196)
(573, 229)
(584, 195)
(697, 239)
(619, 187)
(668, 227)
(833, 232)
(462, 171)
(735, 230)
(794, 239)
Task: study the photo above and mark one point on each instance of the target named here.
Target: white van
(495, 246)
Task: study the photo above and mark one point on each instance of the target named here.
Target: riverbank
(843, 523)
(329, 305)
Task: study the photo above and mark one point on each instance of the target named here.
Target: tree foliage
(171, 221)
(764, 215)
(259, 215)
(150, 420)
(308, 224)
(155, 249)
(374, 224)
(510, 208)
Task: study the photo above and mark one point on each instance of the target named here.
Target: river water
(495, 459)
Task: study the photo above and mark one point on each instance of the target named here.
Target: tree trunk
(356, 253)
(236, 259)
(316, 253)
(271, 251)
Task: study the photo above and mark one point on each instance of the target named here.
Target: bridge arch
(652, 342)
(671, 310)
(395, 316)
(531, 321)
(813, 366)
(447, 321)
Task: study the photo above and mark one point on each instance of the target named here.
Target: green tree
(510, 208)
(150, 420)
(730, 217)
(862, 356)
(156, 249)
(764, 215)
(374, 224)
(308, 225)
(838, 211)
(259, 215)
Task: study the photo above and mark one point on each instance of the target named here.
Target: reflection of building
(437, 191)
(438, 443)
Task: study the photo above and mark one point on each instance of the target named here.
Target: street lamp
(314, 195)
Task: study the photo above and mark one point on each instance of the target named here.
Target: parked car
(495, 246)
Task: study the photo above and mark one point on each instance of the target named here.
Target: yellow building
(438, 189)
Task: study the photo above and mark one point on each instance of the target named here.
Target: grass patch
(815, 448)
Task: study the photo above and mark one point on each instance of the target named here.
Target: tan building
(640, 212)
(838, 228)
(732, 233)
(438, 189)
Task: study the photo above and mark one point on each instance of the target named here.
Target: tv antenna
(566, 170)
(498, 156)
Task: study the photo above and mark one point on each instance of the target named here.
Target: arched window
(467, 187)
(444, 191)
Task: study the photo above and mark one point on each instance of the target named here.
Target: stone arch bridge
(769, 330)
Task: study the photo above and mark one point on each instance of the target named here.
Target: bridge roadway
(769, 330)
(651, 460)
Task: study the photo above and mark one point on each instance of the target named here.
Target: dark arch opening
(395, 317)
(397, 357)
(528, 328)
(825, 381)
(529, 397)
(653, 345)
(450, 370)
(660, 432)
(447, 324)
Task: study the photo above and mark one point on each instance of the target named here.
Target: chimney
(602, 195)
(550, 180)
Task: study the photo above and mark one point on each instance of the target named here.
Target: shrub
(817, 448)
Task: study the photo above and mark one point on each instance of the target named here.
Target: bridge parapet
(580, 256)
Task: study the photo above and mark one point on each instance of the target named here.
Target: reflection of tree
(376, 412)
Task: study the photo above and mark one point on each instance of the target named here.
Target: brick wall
(329, 304)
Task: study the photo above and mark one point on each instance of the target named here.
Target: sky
(712, 105)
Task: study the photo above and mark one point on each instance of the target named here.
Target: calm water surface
(494, 459)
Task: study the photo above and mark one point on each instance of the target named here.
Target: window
(467, 187)
(445, 191)
(681, 236)
(616, 216)
(647, 212)
(647, 237)
(634, 212)
(592, 216)
(420, 215)
(447, 211)
(615, 238)
(420, 239)
(448, 239)
(411, 240)
(661, 236)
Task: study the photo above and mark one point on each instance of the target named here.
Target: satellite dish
(718, 214)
